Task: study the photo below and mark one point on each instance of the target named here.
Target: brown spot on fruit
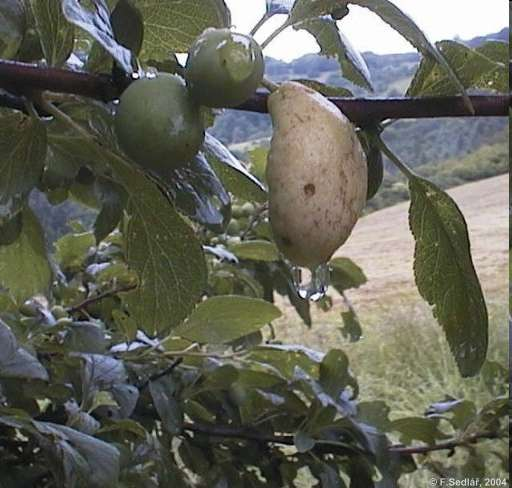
(309, 189)
(286, 241)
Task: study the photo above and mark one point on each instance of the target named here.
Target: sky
(439, 19)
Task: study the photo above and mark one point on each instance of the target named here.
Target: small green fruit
(237, 394)
(29, 308)
(59, 312)
(236, 211)
(157, 123)
(224, 68)
(248, 209)
(233, 228)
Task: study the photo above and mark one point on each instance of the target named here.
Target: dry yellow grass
(383, 246)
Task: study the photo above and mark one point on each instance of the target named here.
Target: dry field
(383, 246)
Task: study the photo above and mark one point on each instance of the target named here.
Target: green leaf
(351, 326)
(223, 319)
(56, 34)
(126, 396)
(125, 425)
(345, 274)
(113, 200)
(473, 67)
(86, 337)
(83, 422)
(235, 177)
(445, 274)
(197, 192)
(326, 90)
(22, 156)
(16, 362)
(125, 324)
(335, 375)
(24, 267)
(375, 164)
(102, 399)
(8, 341)
(11, 229)
(334, 44)
(497, 51)
(419, 429)
(82, 457)
(303, 442)
(173, 25)
(257, 250)
(101, 372)
(128, 25)
(22, 364)
(163, 392)
(490, 416)
(286, 358)
(374, 413)
(72, 249)
(405, 26)
(258, 162)
(328, 475)
(310, 9)
(164, 252)
(97, 23)
(14, 23)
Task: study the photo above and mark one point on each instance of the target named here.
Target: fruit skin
(157, 123)
(224, 68)
(317, 175)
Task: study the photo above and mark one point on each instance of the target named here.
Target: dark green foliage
(139, 348)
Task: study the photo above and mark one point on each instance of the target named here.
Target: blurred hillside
(415, 141)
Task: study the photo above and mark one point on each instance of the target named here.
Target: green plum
(157, 123)
(224, 68)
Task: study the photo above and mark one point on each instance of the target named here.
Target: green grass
(404, 359)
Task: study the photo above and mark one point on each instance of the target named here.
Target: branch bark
(97, 298)
(288, 440)
(21, 78)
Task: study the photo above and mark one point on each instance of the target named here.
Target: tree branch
(96, 298)
(447, 445)
(21, 78)
(288, 440)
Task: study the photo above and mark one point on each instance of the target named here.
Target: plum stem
(269, 85)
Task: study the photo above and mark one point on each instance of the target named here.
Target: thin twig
(288, 439)
(166, 371)
(274, 34)
(253, 221)
(447, 445)
(192, 354)
(408, 172)
(242, 433)
(101, 296)
(269, 85)
(260, 23)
